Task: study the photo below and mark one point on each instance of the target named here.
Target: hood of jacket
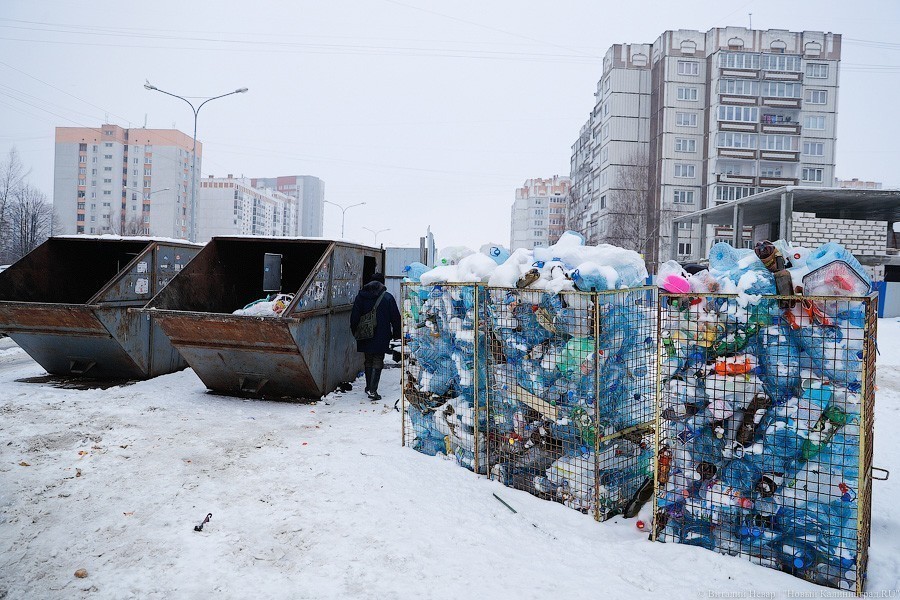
(372, 289)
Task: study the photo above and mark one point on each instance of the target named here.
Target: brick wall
(859, 237)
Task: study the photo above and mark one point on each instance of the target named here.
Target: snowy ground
(321, 501)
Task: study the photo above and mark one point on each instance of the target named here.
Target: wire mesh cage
(561, 401)
(764, 426)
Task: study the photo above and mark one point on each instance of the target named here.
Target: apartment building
(538, 216)
(112, 180)
(697, 119)
(856, 184)
(233, 206)
(310, 194)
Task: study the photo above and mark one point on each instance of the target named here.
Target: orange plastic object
(734, 366)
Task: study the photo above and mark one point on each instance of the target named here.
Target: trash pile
(562, 379)
(270, 306)
(761, 406)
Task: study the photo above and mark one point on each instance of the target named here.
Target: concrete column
(673, 247)
(702, 236)
(786, 225)
(737, 226)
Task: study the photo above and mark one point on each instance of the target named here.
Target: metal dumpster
(67, 305)
(303, 354)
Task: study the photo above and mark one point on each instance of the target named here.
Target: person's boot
(368, 372)
(373, 385)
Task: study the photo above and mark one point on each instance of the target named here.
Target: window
(816, 96)
(605, 131)
(684, 170)
(107, 181)
(726, 193)
(727, 139)
(107, 168)
(683, 119)
(814, 148)
(685, 145)
(135, 161)
(604, 154)
(80, 206)
(748, 114)
(738, 60)
(603, 201)
(148, 148)
(107, 144)
(813, 175)
(770, 171)
(81, 181)
(814, 122)
(683, 197)
(148, 160)
(82, 159)
(82, 171)
(688, 67)
(82, 147)
(537, 232)
(779, 142)
(684, 248)
(817, 70)
(684, 225)
(107, 193)
(780, 62)
(147, 172)
(146, 218)
(781, 89)
(739, 87)
(691, 94)
(538, 223)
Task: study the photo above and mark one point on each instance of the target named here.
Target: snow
(321, 501)
(131, 238)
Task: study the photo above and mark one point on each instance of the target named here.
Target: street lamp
(149, 86)
(344, 210)
(375, 233)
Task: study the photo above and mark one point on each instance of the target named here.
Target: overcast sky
(430, 112)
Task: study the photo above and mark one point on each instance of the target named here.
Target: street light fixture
(375, 233)
(149, 86)
(344, 210)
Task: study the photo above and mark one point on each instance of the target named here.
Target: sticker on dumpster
(142, 267)
(142, 286)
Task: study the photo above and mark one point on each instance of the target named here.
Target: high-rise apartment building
(539, 213)
(123, 181)
(234, 206)
(696, 119)
(309, 192)
(856, 184)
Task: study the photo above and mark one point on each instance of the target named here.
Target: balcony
(737, 99)
(735, 179)
(784, 128)
(741, 126)
(736, 153)
(781, 102)
(742, 73)
(779, 155)
(777, 181)
(782, 75)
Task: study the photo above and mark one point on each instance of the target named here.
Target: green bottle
(829, 422)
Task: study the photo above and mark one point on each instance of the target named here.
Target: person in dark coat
(387, 327)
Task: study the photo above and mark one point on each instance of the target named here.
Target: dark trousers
(374, 360)
(374, 364)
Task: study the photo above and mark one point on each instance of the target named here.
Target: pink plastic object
(676, 284)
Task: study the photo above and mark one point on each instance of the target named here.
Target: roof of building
(824, 203)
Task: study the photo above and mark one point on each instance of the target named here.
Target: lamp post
(344, 210)
(144, 196)
(149, 86)
(375, 233)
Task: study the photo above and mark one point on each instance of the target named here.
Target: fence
(764, 426)
(548, 393)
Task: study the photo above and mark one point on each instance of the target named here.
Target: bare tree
(31, 221)
(12, 179)
(635, 218)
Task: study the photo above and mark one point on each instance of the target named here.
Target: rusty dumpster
(67, 304)
(304, 353)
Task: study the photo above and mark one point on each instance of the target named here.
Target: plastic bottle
(741, 475)
(413, 271)
(832, 251)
